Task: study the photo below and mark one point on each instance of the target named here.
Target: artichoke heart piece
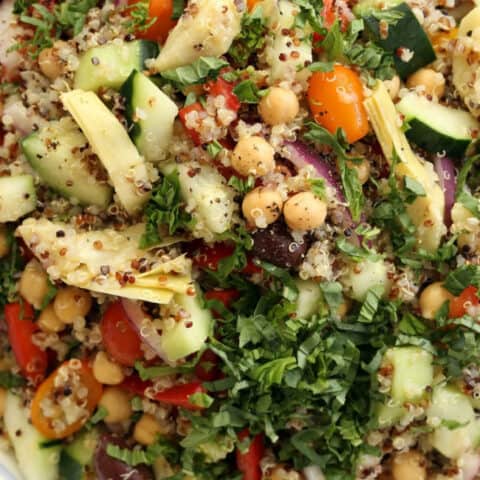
(207, 28)
(106, 261)
(426, 212)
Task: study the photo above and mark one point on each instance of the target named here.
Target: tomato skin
(162, 10)
(135, 385)
(222, 87)
(46, 389)
(249, 462)
(336, 101)
(119, 337)
(457, 305)
(207, 368)
(31, 359)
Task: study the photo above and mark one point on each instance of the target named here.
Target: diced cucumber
(209, 195)
(110, 141)
(188, 336)
(412, 373)
(34, 461)
(363, 276)
(437, 128)
(283, 63)
(56, 153)
(406, 39)
(309, 298)
(83, 446)
(110, 65)
(150, 114)
(17, 197)
(389, 415)
(364, 7)
(456, 429)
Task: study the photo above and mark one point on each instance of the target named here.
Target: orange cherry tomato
(80, 385)
(162, 11)
(458, 305)
(336, 101)
(251, 4)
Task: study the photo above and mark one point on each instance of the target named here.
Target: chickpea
(49, 61)
(3, 399)
(280, 473)
(4, 241)
(71, 303)
(147, 429)
(393, 86)
(409, 466)
(304, 211)
(33, 283)
(278, 106)
(432, 298)
(253, 156)
(363, 170)
(117, 403)
(428, 82)
(262, 206)
(107, 371)
(48, 320)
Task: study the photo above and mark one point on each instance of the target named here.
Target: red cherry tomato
(193, 107)
(458, 305)
(222, 87)
(119, 337)
(249, 462)
(31, 359)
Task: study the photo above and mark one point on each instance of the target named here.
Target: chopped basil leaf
(371, 303)
(178, 8)
(198, 72)
(461, 278)
(9, 380)
(247, 92)
(214, 148)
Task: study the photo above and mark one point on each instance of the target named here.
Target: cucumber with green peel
(35, 462)
(457, 431)
(437, 128)
(404, 37)
(17, 197)
(412, 373)
(108, 66)
(57, 154)
(150, 114)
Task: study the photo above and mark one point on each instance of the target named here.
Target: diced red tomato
(208, 257)
(178, 396)
(459, 305)
(193, 107)
(207, 368)
(222, 87)
(328, 13)
(249, 462)
(31, 359)
(161, 11)
(119, 337)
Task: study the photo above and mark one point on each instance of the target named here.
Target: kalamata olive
(275, 245)
(109, 468)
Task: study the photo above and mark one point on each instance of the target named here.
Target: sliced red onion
(301, 156)
(314, 472)
(445, 169)
(142, 323)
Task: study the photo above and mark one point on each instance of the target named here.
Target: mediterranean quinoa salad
(239, 240)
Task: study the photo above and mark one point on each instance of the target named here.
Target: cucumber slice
(35, 462)
(437, 128)
(389, 415)
(83, 446)
(108, 66)
(110, 141)
(17, 197)
(181, 340)
(405, 34)
(150, 114)
(56, 153)
(457, 431)
(412, 373)
(309, 298)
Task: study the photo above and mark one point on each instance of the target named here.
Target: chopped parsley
(165, 212)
